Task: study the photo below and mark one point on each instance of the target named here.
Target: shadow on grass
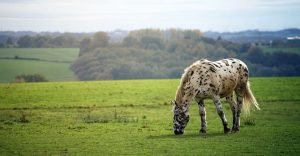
(194, 135)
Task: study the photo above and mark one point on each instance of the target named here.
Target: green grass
(51, 54)
(135, 118)
(54, 64)
(288, 50)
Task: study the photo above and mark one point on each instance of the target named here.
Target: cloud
(91, 15)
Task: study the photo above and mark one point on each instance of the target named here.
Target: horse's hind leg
(202, 113)
(221, 113)
(233, 106)
(236, 126)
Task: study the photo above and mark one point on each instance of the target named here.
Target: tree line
(47, 41)
(41, 40)
(154, 53)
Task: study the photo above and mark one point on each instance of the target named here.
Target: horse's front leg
(202, 113)
(221, 113)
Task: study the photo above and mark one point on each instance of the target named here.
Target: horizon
(92, 16)
(148, 28)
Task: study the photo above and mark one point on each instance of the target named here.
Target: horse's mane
(185, 78)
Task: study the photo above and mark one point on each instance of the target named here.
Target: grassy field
(53, 63)
(288, 50)
(135, 118)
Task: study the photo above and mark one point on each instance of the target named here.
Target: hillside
(246, 36)
(254, 36)
(153, 53)
(53, 63)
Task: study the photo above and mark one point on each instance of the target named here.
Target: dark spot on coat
(211, 85)
(216, 65)
(212, 69)
(192, 73)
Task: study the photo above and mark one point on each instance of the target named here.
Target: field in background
(134, 118)
(53, 63)
(295, 50)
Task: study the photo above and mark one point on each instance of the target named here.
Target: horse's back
(218, 77)
(232, 74)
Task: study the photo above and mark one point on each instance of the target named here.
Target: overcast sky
(107, 15)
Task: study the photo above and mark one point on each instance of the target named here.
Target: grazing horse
(206, 79)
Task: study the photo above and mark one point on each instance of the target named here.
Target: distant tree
(244, 48)
(30, 78)
(69, 40)
(192, 34)
(100, 39)
(219, 38)
(255, 54)
(58, 41)
(9, 42)
(42, 41)
(85, 45)
(25, 42)
(152, 43)
(130, 41)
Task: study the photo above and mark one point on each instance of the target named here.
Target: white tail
(249, 100)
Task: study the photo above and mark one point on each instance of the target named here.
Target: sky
(109, 15)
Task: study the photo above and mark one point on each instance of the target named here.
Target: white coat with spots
(206, 79)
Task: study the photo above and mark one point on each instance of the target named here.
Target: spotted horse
(204, 79)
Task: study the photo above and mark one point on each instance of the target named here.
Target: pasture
(134, 118)
(295, 50)
(53, 63)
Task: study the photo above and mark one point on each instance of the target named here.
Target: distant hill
(247, 36)
(115, 36)
(254, 36)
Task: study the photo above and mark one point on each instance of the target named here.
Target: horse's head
(180, 119)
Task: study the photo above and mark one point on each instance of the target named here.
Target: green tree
(25, 42)
(9, 42)
(100, 39)
(30, 78)
(130, 41)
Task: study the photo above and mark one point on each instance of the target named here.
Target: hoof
(202, 131)
(235, 129)
(178, 132)
(227, 130)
